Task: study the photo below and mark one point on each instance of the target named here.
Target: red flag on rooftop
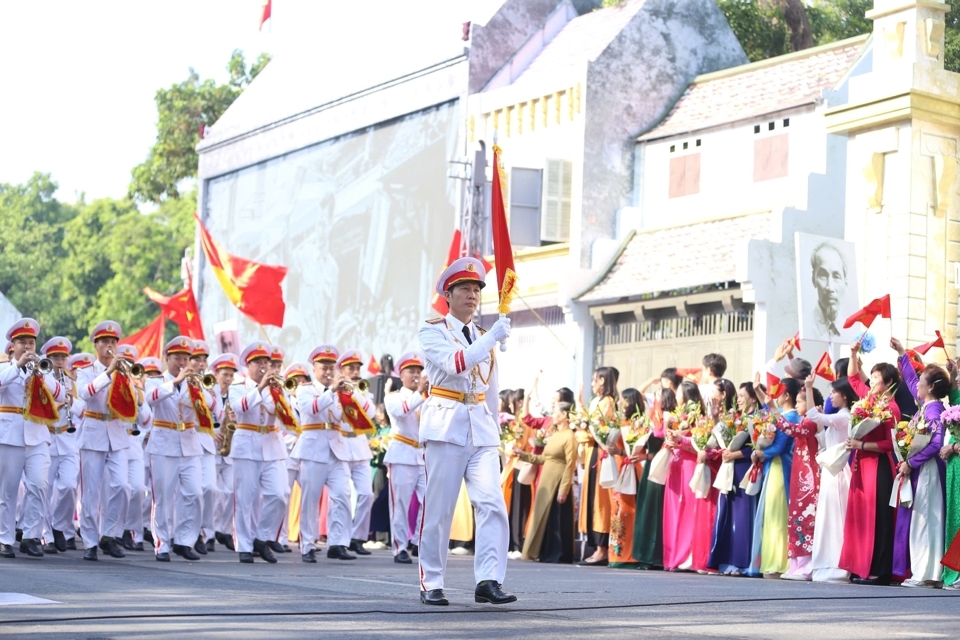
(149, 340)
(252, 287)
(866, 316)
(181, 308)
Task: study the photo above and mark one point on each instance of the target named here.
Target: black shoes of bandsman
(310, 557)
(263, 550)
(403, 558)
(186, 552)
(31, 547)
(163, 556)
(200, 546)
(126, 540)
(434, 597)
(224, 539)
(339, 552)
(90, 554)
(59, 541)
(275, 546)
(246, 557)
(357, 547)
(108, 544)
(491, 592)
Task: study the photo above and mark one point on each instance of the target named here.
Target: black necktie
(466, 334)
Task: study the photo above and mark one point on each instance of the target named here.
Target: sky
(79, 78)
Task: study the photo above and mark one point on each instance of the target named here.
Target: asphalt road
(374, 598)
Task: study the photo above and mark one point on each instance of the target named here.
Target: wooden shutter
(685, 175)
(771, 157)
(555, 226)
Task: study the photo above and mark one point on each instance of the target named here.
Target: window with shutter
(685, 175)
(555, 225)
(771, 157)
(524, 197)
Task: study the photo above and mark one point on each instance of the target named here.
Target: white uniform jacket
(356, 446)
(317, 445)
(172, 407)
(454, 365)
(98, 432)
(402, 407)
(63, 443)
(255, 409)
(15, 430)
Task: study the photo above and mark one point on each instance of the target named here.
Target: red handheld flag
(373, 367)
(252, 287)
(795, 341)
(502, 248)
(936, 344)
(690, 374)
(149, 340)
(265, 14)
(438, 303)
(824, 368)
(182, 309)
(775, 388)
(866, 316)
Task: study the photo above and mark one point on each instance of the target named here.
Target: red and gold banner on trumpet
(121, 399)
(40, 405)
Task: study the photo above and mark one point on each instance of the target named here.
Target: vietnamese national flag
(373, 367)
(149, 340)
(690, 374)
(265, 15)
(775, 388)
(936, 344)
(824, 368)
(181, 308)
(252, 287)
(795, 341)
(866, 316)
(502, 248)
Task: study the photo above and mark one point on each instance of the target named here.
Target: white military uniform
(174, 449)
(289, 437)
(136, 476)
(24, 453)
(404, 460)
(64, 473)
(223, 506)
(259, 456)
(460, 439)
(358, 455)
(322, 454)
(208, 473)
(104, 445)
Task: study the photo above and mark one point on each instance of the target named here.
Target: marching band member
(131, 518)
(103, 445)
(175, 451)
(358, 447)
(404, 457)
(323, 456)
(460, 436)
(24, 441)
(62, 515)
(208, 461)
(64, 460)
(298, 373)
(224, 368)
(152, 378)
(258, 458)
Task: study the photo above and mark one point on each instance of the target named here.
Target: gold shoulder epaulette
(435, 321)
(481, 330)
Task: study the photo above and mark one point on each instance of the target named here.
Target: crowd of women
(862, 486)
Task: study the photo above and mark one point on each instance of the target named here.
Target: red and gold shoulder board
(481, 329)
(435, 320)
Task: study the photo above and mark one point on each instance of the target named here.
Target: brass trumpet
(363, 386)
(207, 380)
(40, 367)
(134, 370)
(290, 384)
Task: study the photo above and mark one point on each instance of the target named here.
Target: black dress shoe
(414, 550)
(6, 551)
(275, 546)
(50, 549)
(261, 548)
(228, 542)
(148, 537)
(339, 552)
(287, 549)
(185, 552)
(309, 557)
(357, 547)
(490, 591)
(402, 558)
(127, 540)
(435, 597)
(19, 535)
(138, 546)
(880, 581)
(211, 546)
(90, 554)
(200, 546)
(71, 544)
(31, 547)
(111, 548)
(163, 556)
(246, 558)
(59, 541)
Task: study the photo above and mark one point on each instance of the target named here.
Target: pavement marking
(399, 584)
(7, 599)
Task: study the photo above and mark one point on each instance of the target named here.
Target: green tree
(761, 29)
(951, 57)
(182, 109)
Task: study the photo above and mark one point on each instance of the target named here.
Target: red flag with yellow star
(824, 368)
(181, 308)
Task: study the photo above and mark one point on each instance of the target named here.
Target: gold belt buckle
(57, 431)
(264, 429)
(469, 398)
(181, 426)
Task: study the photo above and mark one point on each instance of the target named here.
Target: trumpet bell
(136, 370)
(290, 384)
(208, 381)
(363, 386)
(45, 366)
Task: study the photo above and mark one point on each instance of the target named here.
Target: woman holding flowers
(949, 451)
(678, 498)
(595, 500)
(624, 505)
(867, 552)
(918, 540)
(648, 526)
(550, 537)
(833, 430)
(730, 554)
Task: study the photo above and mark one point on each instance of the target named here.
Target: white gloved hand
(501, 329)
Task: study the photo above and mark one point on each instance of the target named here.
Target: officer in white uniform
(208, 461)
(459, 432)
(259, 459)
(64, 472)
(322, 454)
(404, 457)
(152, 378)
(359, 450)
(75, 364)
(289, 436)
(103, 448)
(24, 444)
(224, 368)
(174, 450)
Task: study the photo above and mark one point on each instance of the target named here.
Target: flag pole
(264, 331)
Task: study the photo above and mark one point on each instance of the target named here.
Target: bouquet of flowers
(684, 416)
(510, 430)
(903, 439)
(540, 439)
(605, 431)
(867, 414)
(378, 445)
(732, 432)
(951, 421)
(700, 433)
(910, 438)
(764, 430)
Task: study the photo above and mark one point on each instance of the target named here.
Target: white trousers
(32, 465)
(362, 477)
(62, 495)
(103, 489)
(259, 488)
(313, 476)
(136, 476)
(223, 507)
(405, 481)
(447, 466)
(926, 525)
(292, 476)
(208, 483)
(176, 500)
(147, 506)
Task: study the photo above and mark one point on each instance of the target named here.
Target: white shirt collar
(458, 326)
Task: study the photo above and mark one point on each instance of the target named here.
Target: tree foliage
(181, 111)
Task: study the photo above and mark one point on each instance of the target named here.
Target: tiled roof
(583, 39)
(758, 89)
(678, 257)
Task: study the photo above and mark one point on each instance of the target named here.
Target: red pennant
(866, 316)
(795, 341)
(357, 417)
(373, 367)
(284, 412)
(204, 417)
(120, 398)
(775, 388)
(40, 404)
(936, 344)
(824, 368)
